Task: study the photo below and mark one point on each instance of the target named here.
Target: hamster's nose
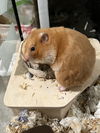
(26, 58)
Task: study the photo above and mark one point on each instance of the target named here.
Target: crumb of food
(24, 86)
(33, 94)
(57, 85)
(24, 76)
(53, 80)
(44, 79)
(65, 93)
(40, 86)
(60, 97)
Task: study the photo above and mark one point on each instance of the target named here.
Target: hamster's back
(82, 54)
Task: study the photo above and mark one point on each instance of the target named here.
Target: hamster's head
(39, 47)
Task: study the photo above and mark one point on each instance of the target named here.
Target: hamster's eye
(32, 48)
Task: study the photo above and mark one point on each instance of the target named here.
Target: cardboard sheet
(38, 93)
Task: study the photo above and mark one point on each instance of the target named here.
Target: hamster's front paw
(61, 88)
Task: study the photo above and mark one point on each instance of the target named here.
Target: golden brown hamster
(68, 52)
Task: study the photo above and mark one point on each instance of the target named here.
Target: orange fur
(68, 52)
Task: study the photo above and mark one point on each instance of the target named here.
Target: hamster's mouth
(26, 63)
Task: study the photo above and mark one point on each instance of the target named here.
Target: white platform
(43, 95)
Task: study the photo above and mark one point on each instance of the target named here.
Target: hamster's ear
(44, 37)
(34, 29)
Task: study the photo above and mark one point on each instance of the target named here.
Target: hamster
(68, 52)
